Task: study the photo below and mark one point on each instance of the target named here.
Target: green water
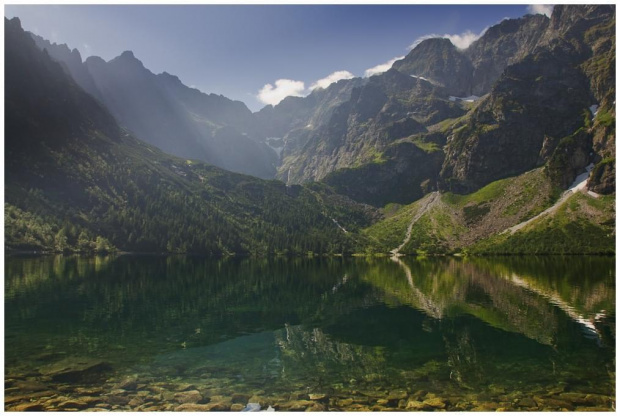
(367, 334)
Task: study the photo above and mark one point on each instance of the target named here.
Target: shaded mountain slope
(75, 180)
(162, 111)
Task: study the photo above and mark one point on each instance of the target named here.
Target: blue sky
(241, 51)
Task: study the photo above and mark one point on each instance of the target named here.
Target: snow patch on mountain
(469, 99)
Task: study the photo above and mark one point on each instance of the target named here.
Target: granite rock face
(537, 78)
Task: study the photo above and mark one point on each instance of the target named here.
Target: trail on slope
(430, 202)
(579, 184)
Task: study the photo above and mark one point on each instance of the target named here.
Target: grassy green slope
(473, 223)
(582, 225)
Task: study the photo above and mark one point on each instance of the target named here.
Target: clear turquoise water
(471, 331)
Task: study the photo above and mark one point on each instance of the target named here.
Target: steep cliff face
(387, 108)
(538, 103)
(71, 61)
(537, 76)
(535, 103)
(500, 46)
(474, 70)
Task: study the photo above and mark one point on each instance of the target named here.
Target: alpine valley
(394, 242)
(505, 147)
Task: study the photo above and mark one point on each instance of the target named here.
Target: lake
(186, 333)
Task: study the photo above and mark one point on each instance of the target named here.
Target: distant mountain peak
(438, 41)
(94, 60)
(169, 77)
(14, 22)
(127, 55)
(128, 58)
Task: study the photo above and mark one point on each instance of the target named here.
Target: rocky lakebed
(86, 384)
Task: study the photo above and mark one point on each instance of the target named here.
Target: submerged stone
(397, 395)
(184, 387)
(317, 396)
(28, 407)
(526, 402)
(73, 369)
(192, 407)
(218, 406)
(117, 400)
(72, 404)
(240, 398)
(414, 405)
(344, 402)
(192, 396)
(22, 397)
(300, 405)
(128, 383)
(435, 403)
(136, 401)
(26, 386)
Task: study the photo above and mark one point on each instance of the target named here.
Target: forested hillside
(75, 180)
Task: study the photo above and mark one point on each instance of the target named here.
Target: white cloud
(283, 88)
(465, 39)
(545, 9)
(461, 41)
(381, 67)
(330, 79)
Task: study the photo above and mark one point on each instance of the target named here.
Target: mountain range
(441, 153)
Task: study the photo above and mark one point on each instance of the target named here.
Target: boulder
(192, 396)
(74, 369)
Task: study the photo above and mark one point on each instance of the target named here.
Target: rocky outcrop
(502, 45)
(569, 158)
(603, 177)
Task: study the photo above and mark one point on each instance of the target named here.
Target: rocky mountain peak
(94, 60)
(440, 62)
(127, 55)
(565, 17)
(128, 60)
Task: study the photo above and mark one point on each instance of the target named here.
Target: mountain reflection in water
(339, 327)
